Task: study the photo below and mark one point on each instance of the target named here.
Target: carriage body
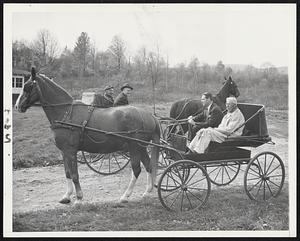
(220, 164)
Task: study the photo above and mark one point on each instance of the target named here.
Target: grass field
(227, 209)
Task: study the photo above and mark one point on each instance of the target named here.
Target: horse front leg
(66, 198)
(71, 170)
(136, 170)
(146, 162)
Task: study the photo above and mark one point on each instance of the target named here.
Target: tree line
(86, 67)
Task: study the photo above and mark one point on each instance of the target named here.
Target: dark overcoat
(121, 99)
(103, 101)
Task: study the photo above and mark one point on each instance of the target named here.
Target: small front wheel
(107, 164)
(223, 173)
(264, 176)
(184, 186)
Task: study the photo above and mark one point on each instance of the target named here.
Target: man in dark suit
(122, 98)
(106, 100)
(211, 116)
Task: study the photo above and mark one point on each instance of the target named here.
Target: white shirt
(231, 121)
(209, 107)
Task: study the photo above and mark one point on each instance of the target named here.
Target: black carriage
(185, 179)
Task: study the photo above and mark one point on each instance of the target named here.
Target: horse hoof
(123, 200)
(65, 201)
(78, 202)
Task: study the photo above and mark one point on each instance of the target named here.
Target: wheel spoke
(179, 175)
(274, 183)
(194, 195)
(222, 174)
(227, 174)
(181, 204)
(197, 188)
(264, 190)
(171, 193)
(176, 198)
(265, 163)
(101, 164)
(197, 181)
(217, 175)
(259, 164)
(213, 170)
(116, 160)
(258, 189)
(253, 178)
(270, 164)
(254, 185)
(171, 177)
(273, 169)
(279, 175)
(188, 199)
(269, 189)
(230, 167)
(254, 171)
(192, 176)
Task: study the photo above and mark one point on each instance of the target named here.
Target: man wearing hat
(122, 98)
(106, 100)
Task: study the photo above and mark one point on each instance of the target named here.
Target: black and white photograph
(149, 120)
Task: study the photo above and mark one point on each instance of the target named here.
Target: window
(17, 82)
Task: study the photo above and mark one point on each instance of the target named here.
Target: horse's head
(232, 87)
(29, 94)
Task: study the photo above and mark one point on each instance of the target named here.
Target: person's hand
(191, 121)
(92, 106)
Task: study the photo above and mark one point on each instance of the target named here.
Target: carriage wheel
(107, 164)
(184, 186)
(80, 158)
(264, 176)
(224, 173)
(172, 128)
(91, 157)
(166, 158)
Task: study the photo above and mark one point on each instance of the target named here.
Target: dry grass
(227, 209)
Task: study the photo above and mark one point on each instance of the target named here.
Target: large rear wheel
(184, 186)
(264, 176)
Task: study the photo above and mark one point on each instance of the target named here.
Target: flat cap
(126, 85)
(108, 87)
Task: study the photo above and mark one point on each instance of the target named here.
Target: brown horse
(184, 108)
(129, 121)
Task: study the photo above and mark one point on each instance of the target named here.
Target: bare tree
(194, 68)
(118, 48)
(81, 52)
(45, 48)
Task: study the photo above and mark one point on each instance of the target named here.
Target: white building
(19, 77)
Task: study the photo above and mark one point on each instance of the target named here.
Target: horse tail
(155, 151)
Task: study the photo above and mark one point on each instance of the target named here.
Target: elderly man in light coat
(230, 122)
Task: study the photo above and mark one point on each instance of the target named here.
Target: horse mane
(58, 93)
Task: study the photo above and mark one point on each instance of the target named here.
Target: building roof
(20, 72)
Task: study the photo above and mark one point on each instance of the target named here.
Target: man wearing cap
(230, 122)
(106, 100)
(122, 98)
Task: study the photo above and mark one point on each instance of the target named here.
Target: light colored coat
(228, 124)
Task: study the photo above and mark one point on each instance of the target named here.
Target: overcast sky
(236, 34)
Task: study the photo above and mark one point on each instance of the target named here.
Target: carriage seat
(255, 131)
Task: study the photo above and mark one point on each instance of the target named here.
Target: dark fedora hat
(108, 87)
(126, 85)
